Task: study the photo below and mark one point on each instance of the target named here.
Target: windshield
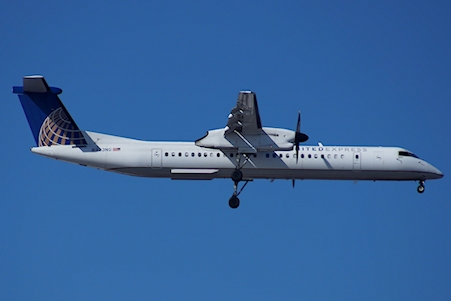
(407, 154)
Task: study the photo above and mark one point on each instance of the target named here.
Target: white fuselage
(185, 160)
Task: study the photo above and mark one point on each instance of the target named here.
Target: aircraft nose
(436, 172)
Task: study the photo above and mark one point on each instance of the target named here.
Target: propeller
(298, 136)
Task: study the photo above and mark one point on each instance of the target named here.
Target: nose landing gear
(421, 188)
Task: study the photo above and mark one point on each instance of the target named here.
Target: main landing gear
(237, 177)
(421, 188)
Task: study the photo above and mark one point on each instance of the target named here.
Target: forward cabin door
(378, 161)
(156, 157)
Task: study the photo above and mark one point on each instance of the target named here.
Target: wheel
(234, 202)
(237, 176)
(420, 189)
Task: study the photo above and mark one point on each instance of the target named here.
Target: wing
(244, 132)
(244, 117)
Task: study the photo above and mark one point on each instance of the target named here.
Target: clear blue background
(361, 72)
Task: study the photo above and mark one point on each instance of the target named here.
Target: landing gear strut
(421, 188)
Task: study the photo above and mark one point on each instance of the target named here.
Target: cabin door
(156, 158)
(378, 160)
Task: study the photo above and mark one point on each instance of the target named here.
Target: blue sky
(362, 73)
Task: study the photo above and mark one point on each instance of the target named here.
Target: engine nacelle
(268, 139)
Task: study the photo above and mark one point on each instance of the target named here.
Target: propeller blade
(296, 141)
(298, 136)
(298, 125)
(297, 153)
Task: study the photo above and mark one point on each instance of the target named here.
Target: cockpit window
(407, 154)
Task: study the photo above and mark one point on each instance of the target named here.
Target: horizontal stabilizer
(35, 84)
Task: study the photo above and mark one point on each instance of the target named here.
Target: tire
(420, 189)
(237, 176)
(234, 202)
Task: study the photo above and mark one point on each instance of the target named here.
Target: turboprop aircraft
(243, 151)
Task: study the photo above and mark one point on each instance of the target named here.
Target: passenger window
(173, 154)
(186, 154)
(166, 154)
(322, 156)
(192, 155)
(287, 155)
(309, 156)
(218, 155)
(205, 154)
(342, 156)
(356, 156)
(302, 156)
(199, 154)
(335, 156)
(180, 154)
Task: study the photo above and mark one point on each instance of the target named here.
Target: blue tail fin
(50, 122)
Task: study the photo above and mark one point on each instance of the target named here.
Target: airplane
(243, 151)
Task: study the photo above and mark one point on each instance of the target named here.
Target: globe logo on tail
(58, 129)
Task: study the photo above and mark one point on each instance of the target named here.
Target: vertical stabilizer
(50, 122)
